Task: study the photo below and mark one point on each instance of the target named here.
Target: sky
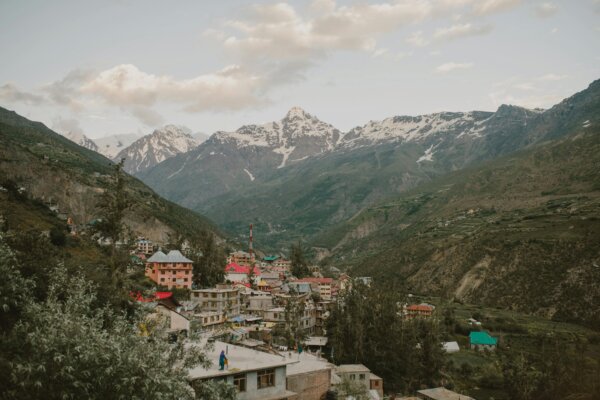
(125, 66)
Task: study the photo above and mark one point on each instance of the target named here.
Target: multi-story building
(241, 258)
(282, 263)
(324, 286)
(239, 273)
(222, 299)
(172, 270)
(144, 246)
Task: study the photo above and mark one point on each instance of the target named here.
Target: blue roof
(483, 338)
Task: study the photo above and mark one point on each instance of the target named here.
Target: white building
(257, 375)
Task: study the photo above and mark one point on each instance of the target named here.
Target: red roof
(137, 296)
(238, 269)
(325, 281)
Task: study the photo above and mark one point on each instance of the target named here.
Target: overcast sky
(110, 67)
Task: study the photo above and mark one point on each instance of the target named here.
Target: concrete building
(441, 393)
(144, 246)
(355, 373)
(223, 299)
(308, 376)
(240, 258)
(482, 341)
(376, 384)
(419, 310)
(324, 286)
(239, 273)
(172, 270)
(255, 374)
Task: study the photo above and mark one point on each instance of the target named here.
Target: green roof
(270, 258)
(482, 338)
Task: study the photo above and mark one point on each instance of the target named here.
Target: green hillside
(521, 232)
(302, 200)
(54, 170)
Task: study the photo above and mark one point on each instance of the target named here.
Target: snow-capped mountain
(152, 149)
(296, 137)
(418, 129)
(81, 140)
(110, 146)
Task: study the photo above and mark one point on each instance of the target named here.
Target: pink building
(172, 270)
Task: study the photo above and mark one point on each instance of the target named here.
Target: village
(268, 328)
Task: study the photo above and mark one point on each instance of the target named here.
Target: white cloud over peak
(452, 66)
(11, 94)
(545, 10)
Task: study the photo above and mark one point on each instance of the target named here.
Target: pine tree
(112, 206)
(298, 259)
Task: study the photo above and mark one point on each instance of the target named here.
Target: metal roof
(174, 256)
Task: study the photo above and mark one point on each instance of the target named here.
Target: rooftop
(239, 269)
(316, 280)
(239, 359)
(345, 368)
(174, 256)
(441, 393)
(483, 338)
(316, 341)
(305, 362)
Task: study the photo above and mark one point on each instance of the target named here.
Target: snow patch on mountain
(298, 132)
(428, 156)
(110, 146)
(81, 140)
(153, 149)
(249, 174)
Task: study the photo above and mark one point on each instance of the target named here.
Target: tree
(355, 389)
(299, 263)
(209, 260)
(64, 347)
(113, 205)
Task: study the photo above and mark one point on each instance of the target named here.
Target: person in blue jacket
(222, 360)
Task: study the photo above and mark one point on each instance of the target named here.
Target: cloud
(486, 7)
(11, 94)
(65, 91)
(66, 125)
(417, 39)
(526, 86)
(452, 66)
(136, 91)
(545, 10)
(461, 30)
(147, 116)
(552, 77)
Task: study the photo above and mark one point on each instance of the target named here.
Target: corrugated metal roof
(482, 338)
(174, 256)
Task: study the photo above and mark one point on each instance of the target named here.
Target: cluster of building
(246, 315)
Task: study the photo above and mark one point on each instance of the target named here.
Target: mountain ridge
(236, 182)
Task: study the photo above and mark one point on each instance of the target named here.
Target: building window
(352, 377)
(162, 279)
(265, 378)
(239, 381)
(361, 377)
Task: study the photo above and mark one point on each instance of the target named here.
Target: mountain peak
(174, 129)
(297, 112)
